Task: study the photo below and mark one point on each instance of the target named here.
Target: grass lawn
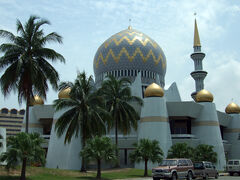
(39, 173)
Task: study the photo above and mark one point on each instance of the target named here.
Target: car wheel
(216, 176)
(231, 174)
(156, 178)
(174, 176)
(190, 176)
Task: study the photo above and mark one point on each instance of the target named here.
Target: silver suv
(233, 166)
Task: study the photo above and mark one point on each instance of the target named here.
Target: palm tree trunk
(146, 168)
(116, 140)
(23, 172)
(27, 113)
(83, 168)
(98, 169)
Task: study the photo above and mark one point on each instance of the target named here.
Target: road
(220, 178)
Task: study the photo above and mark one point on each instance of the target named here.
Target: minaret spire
(196, 42)
(197, 56)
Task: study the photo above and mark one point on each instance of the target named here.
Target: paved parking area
(221, 178)
(230, 177)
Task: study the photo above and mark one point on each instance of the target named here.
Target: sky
(86, 24)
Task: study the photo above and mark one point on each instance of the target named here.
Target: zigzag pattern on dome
(130, 42)
(130, 58)
(130, 33)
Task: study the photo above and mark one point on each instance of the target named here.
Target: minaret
(198, 74)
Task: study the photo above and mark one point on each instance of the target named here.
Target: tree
(147, 150)
(25, 61)
(1, 144)
(25, 148)
(99, 148)
(205, 152)
(180, 150)
(84, 112)
(119, 100)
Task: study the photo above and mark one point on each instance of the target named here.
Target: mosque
(164, 116)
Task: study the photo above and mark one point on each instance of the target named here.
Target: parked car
(174, 169)
(233, 166)
(205, 170)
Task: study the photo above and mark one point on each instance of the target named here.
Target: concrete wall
(60, 155)
(4, 142)
(154, 125)
(206, 128)
(232, 135)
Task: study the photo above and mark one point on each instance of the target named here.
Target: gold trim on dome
(204, 96)
(129, 32)
(232, 108)
(130, 58)
(130, 42)
(154, 90)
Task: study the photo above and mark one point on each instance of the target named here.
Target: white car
(233, 166)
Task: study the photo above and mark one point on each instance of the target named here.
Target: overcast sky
(86, 24)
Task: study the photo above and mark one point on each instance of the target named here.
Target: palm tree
(25, 61)
(205, 152)
(119, 99)
(84, 112)
(99, 148)
(1, 137)
(147, 150)
(25, 148)
(180, 150)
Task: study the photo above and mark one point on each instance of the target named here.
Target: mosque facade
(164, 116)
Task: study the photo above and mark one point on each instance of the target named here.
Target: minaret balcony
(197, 55)
(198, 74)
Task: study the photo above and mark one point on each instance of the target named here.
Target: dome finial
(196, 42)
(130, 27)
(154, 90)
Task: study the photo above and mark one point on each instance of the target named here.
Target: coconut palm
(180, 150)
(99, 149)
(84, 112)
(1, 137)
(25, 148)
(119, 100)
(205, 152)
(25, 61)
(146, 150)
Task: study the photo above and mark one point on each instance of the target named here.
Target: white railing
(183, 136)
(45, 136)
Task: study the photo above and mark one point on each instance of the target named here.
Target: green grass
(38, 173)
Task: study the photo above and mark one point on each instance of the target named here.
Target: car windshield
(168, 163)
(236, 162)
(198, 165)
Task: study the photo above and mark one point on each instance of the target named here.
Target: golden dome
(232, 108)
(64, 94)
(204, 96)
(37, 100)
(153, 90)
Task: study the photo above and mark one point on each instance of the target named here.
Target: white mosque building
(164, 116)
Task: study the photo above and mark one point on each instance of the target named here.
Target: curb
(223, 174)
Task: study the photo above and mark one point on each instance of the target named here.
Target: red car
(174, 169)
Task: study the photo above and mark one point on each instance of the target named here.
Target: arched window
(4, 110)
(13, 111)
(22, 112)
